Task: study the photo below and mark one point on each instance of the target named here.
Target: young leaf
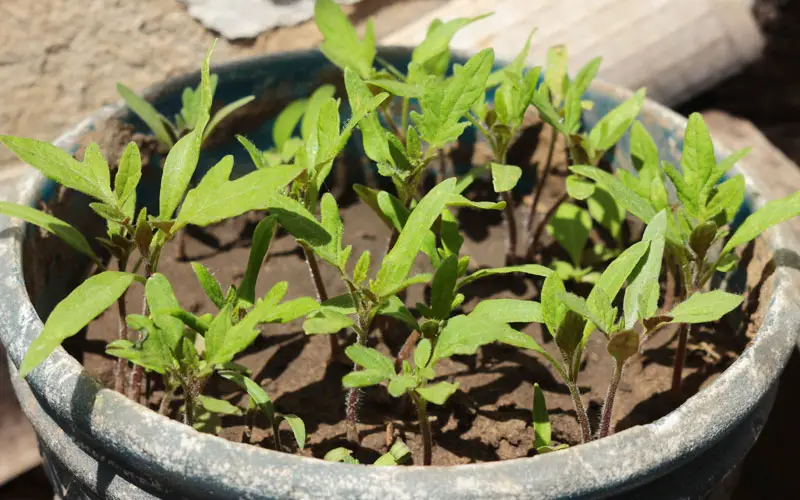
(256, 155)
(610, 129)
(727, 199)
(161, 300)
(443, 288)
(287, 121)
(438, 39)
(326, 321)
(220, 406)
(210, 284)
(310, 118)
(644, 153)
(422, 354)
(641, 297)
(57, 164)
(370, 359)
(705, 307)
(80, 307)
(570, 226)
(626, 197)
(361, 270)
(607, 212)
(147, 113)
(398, 262)
(332, 222)
(289, 310)
(508, 311)
(529, 269)
(342, 46)
(553, 309)
(585, 75)
(505, 177)
(443, 105)
(698, 160)
(556, 72)
(399, 453)
(623, 345)
(542, 434)
(128, 175)
(439, 393)
(363, 378)
(262, 236)
(721, 169)
(209, 203)
(342, 455)
(770, 214)
(258, 396)
(579, 188)
(225, 112)
(298, 429)
(66, 232)
(395, 308)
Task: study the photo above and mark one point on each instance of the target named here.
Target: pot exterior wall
(98, 445)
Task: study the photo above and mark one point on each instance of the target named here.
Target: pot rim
(180, 457)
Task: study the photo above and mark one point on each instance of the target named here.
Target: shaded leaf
(705, 307)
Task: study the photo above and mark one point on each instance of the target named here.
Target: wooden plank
(675, 48)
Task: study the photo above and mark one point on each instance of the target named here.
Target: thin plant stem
(540, 228)
(150, 267)
(250, 422)
(511, 220)
(680, 359)
(580, 411)
(122, 365)
(276, 435)
(353, 398)
(425, 429)
(188, 407)
(537, 195)
(336, 352)
(405, 351)
(404, 117)
(608, 406)
(390, 121)
(163, 407)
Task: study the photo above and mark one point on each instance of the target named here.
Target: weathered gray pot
(98, 444)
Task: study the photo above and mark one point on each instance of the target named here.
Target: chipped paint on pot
(98, 444)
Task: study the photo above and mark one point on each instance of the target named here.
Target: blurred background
(734, 60)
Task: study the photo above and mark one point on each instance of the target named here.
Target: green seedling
(166, 132)
(699, 243)
(542, 432)
(398, 454)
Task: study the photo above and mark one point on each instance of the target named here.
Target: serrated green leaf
(698, 160)
(80, 307)
(570, 226)
(585, 75)
(769, 215)
(438, 39)
(721, 169)
(255, 154)
(178, 170)
(66, 232)
(610, 129)
(443, 105)
(439, 393)
(262, 237)
(361, 270)
(57, 164)
(542, 433)
(147, 113)
(257, 190)
(505, 177)
(398, 262)
(209, 284)
(641, 298)
(342, 46)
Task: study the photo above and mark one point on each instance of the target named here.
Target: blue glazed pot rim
(158, 451)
